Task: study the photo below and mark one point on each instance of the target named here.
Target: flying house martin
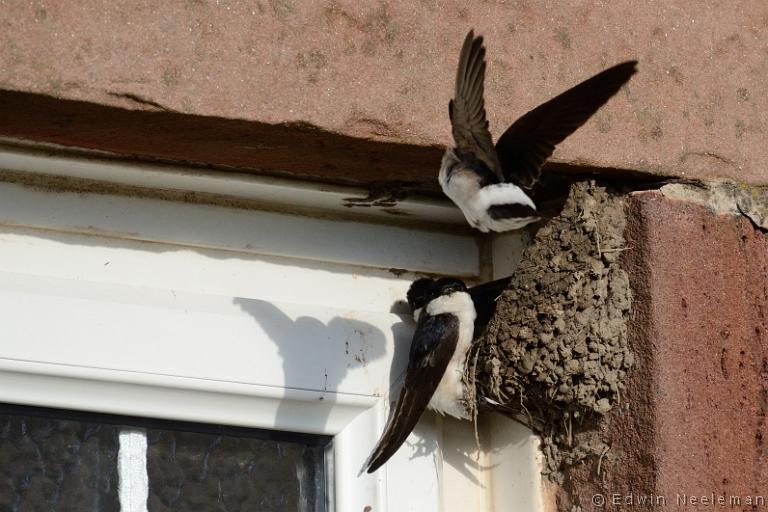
(488, 183)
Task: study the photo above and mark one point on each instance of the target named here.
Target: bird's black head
(419, 292)
(446, 286)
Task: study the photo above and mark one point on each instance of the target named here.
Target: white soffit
(243, 231)
(271, 192)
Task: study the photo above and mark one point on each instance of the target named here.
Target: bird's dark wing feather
(467, 109)
(484, 297)
(527, 144)
(433, 345)
(511, 211)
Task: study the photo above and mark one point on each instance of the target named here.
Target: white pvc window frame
(146, 307)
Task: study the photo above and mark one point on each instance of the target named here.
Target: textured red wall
(384, 70)
(697, 399)
(709, 281)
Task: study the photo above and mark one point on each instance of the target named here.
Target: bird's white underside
(463, 188)
(450, 396)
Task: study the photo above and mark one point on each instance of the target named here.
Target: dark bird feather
(433, 345)
(467, 109)
(524, 147)
(484, 297)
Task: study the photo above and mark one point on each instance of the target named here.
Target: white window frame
(62, 250)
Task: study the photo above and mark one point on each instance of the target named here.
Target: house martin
(436, 363)
(488, 183)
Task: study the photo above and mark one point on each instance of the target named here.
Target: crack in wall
(726, 197)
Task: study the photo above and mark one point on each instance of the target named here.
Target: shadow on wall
(309, 354)
(160, 134)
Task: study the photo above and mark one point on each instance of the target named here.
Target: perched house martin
(483, 297)
(434, 376)
(487, 182)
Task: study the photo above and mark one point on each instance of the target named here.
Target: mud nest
(555, 355)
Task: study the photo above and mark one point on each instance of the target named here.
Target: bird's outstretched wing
(433, 345)
(467, 108)
(527, 144)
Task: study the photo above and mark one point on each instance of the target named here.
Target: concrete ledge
(384, 71)
(289, 150)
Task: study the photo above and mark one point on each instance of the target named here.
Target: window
(138, 306)
(60, 460)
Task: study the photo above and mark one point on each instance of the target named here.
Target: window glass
(188, 470)
(57, 464)
(63, 460)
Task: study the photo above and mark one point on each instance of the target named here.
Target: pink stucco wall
(384, 70)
